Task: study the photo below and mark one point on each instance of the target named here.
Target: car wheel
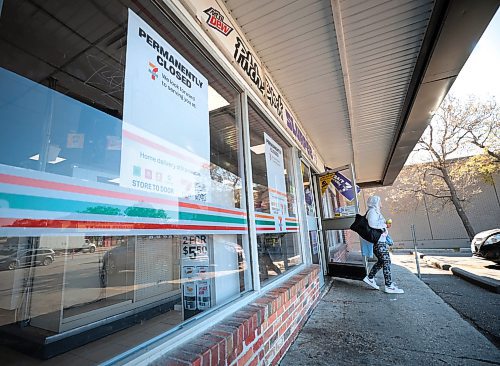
(92, 249)
(12, 265)
(47, 261)
(110, 267)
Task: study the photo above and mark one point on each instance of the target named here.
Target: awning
(363, 77)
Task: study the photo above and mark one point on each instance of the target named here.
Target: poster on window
(165, 136)
(195, 274)
(275, 177)
(344, 186)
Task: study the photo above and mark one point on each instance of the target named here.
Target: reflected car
(88, 246)
(486, 244)
(117, 260)
(28, 258)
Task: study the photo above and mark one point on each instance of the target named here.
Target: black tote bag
(360, 226)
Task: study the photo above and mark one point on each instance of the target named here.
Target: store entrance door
(312, 207)
(339, 205)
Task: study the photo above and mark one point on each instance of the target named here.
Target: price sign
(197, 294)
(194, 251)
(194, 247)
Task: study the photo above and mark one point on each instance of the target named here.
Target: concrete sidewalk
(355, 325)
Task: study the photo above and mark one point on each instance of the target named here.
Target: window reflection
(78, 249)
(275, 211)
(187, 274)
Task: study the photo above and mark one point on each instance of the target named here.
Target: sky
(479, 77)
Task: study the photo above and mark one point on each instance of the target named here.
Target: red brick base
(259, 333)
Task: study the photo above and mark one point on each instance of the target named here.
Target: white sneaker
(393, 289)
(371, 282)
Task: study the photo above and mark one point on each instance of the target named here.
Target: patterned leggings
(384, 261)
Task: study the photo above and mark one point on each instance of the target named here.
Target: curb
(484, 282)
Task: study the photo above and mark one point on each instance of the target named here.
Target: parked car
(486, 244)
(88, 246)
(28, 258)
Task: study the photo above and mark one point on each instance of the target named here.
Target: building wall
(186, 219)
(258, 334)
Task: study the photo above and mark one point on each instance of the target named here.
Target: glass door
(339, 205)
(312, 216)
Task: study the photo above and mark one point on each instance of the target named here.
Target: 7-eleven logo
(153, 71)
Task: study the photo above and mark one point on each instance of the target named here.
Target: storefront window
(311, 216)
(274, 199)
(310, 205)
(122, 191)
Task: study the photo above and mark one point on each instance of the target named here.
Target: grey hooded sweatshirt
(374, 216)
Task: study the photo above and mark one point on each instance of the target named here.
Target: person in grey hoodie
(377, 221)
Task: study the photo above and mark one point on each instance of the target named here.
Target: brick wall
(258, 333)
(341, 254)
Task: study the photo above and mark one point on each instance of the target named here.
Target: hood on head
(373, 202)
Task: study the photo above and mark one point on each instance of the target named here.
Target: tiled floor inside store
(102, 349)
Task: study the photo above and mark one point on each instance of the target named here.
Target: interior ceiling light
(58, 159)
(215, 100)
(258, 149)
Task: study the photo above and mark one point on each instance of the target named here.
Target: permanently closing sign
(165, 139)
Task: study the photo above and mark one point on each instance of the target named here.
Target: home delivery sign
(275, 166)
(165, 137)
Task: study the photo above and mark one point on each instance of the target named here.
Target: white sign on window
(275, 177)
(195, 273)
(165, 137)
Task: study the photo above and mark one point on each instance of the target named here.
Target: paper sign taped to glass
(165, 138)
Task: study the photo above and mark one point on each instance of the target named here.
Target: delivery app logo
(153, 70)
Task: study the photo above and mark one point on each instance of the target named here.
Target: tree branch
(488, 151)
(435, 195)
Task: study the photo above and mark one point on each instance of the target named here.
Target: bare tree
(446, 175)
(480, 121)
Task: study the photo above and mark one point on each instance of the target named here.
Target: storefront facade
(146, 175)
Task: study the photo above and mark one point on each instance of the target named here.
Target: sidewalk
(355, 325)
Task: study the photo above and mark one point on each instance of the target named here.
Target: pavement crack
(448, 293)
(480, 359)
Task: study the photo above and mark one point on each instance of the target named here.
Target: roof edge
(454, 29)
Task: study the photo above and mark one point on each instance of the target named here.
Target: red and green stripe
(117, 213)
